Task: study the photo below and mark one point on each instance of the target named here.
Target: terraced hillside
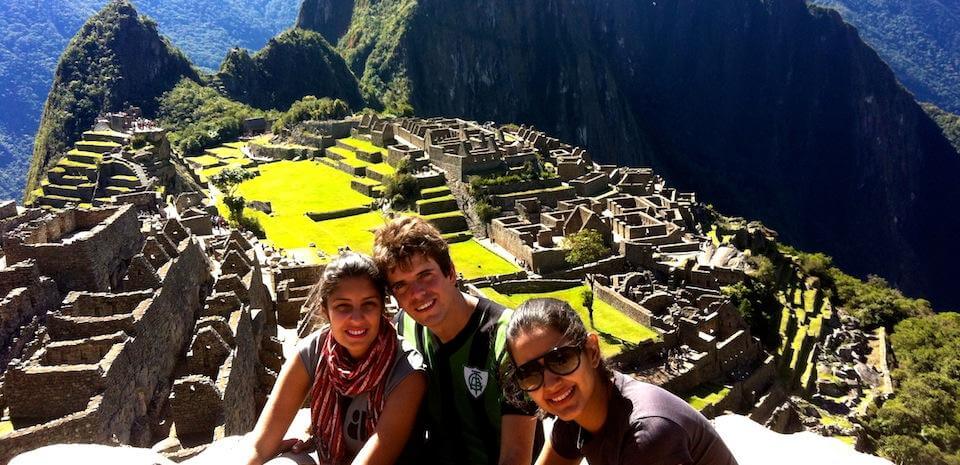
(323, 203)
(92, 173)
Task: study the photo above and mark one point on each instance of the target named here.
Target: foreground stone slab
(752, 444)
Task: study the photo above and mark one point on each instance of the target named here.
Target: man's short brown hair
(405, 236)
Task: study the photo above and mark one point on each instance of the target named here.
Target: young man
(462, 340)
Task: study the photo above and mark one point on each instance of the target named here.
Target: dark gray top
(645, 424)
(406, 361)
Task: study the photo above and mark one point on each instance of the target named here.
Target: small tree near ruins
(228, 181)
(585, 246)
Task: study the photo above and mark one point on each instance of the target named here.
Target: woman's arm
(395, 423)
(516, 439)
(263, 443)
(548, 456)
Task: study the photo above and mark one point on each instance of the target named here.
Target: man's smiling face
(422, 290)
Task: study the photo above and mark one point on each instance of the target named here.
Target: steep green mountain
(296, 63)
(919, 39)
(770, 109)
(34, 33)
(116, 59)
(948, 122)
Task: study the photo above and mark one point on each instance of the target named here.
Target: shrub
(486, 212)
(402, 191)
(250, 223)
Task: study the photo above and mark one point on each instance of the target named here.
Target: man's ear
(593, 349)
(453, 272)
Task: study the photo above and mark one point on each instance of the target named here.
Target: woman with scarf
(364, 383)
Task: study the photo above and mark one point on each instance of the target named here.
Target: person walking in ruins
(462, 340)
(604, 416)
(364, 383)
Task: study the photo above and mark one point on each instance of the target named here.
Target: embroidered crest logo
(476, 381)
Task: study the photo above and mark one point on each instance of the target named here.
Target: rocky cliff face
(330, 18)
(296, 63)
(116, 59)
(768, 109)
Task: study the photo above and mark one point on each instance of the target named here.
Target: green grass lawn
(225, 151)
(707, 394)
(473, 260)
(296, 187)
(614, 327)
(5, 427)
(361, 144)
(206, 160)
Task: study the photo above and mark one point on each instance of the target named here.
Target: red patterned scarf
(339, 375)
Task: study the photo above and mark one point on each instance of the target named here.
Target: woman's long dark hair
(554, 314)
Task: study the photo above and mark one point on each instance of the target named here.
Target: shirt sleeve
(657, 441)
(408, 361)
(308, 349)
(564, 438)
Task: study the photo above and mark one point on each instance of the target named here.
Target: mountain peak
(116, 59)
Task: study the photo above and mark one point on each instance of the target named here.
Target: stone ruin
(664, 269)
(120, 327)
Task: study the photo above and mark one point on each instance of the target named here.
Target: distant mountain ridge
(770, 109)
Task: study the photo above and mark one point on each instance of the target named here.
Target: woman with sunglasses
(605, 416)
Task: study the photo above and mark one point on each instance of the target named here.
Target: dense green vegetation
(917, 38)
(921, 424)
(292, 65)
(199, 117)
(528, 172)
(872, 301)
(117, 59)
(948, 122)
(401, 191)
(310, 108)
(374, 48)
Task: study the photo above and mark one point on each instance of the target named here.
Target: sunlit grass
(473, 260)
(614, 327)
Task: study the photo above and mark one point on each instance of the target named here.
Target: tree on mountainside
(199, 117)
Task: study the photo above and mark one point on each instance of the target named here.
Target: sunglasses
(560, 361)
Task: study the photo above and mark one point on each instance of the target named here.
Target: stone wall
(27, 298)
(93, 255)
(534, 286)
(284, 152)
(129, 381)
(607, 266)
(548, 197)
(624, 305)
